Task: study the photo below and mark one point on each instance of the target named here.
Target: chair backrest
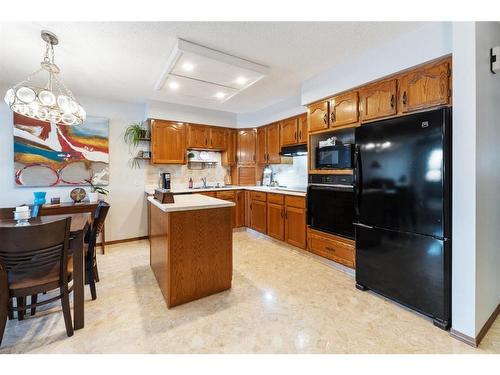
(99, 217)
(36, 249)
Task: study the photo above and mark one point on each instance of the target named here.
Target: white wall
(179, 112)
(487, 174)
(278, 111)
(127, 214)
(426, 43)
(464, 179)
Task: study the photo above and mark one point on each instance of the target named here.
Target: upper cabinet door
(344, 109)
(378, 100)
(262, 145)
(168, 142)
(426, 87)
(273, 143)
(198, 136)
(318, 116)
(289, 132)
(218, 139)
(246, 147)
(302, 136)
(229, 156)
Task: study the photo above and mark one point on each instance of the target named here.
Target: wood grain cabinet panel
(276, 221)
(198, 136)
(229, 155)
(218, 138)
(258, 216)
(289, 132)
(240, 209)
(318, 116)
(338, 249)
(378, 100)
(168, 142)
(261, 145)
(302, 126)
(295, 226)
(273, 143)
(426, 87)
(344, 109)
(246, 147)
(246, 175)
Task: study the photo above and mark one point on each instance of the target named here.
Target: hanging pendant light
(51, 103)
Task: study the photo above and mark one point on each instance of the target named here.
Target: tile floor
(282, 301)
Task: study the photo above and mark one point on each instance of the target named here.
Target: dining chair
(91, 271)
(36, 260)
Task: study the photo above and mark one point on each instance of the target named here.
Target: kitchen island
(191, 247)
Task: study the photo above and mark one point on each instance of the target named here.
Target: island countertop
(191, 202)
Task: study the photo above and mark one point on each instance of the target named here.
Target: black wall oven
(330, 200)
(335, 157)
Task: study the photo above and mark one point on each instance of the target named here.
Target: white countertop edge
(198, 202)
(266, 189)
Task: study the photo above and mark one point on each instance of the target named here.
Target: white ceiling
(123, 60)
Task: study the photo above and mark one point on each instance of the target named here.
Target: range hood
(297, 150)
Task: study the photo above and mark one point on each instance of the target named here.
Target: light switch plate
(495, 59)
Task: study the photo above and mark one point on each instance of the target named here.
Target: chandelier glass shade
(48, 100)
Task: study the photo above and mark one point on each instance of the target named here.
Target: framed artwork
(49, 154)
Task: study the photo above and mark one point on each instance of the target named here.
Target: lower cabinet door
(240, 209)
(258, 216)
(295, 226)
(276, 221)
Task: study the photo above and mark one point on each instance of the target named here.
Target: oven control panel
(331, 179)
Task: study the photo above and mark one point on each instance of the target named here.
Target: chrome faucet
(204, 179)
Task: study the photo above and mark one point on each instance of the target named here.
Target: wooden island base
(191, 252)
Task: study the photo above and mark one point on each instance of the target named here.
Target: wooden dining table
(79, 224)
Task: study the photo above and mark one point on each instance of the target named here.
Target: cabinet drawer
(226, 195)
(208, 193)
(294, 201)
(275, 198)
(258, 196)
(332, 247)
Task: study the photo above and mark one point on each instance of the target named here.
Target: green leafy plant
(134, 163)
(134, 133)
(94, 188)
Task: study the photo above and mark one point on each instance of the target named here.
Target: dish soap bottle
(190, 183)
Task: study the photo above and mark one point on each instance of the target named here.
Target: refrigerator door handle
(357, 179)
(362, 225)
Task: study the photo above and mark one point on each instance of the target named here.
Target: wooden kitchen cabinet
(378, 100)
(275, 216)
(289, 132)
(229, 155)
(295, 221)
(258, 215)
(318, 116)
(426, 87)
(240, 209)
(261, 145)
(218, 138)
(168, 142)
(247, 140)
(198, 136)
(273, 143)
(338, 249)
(302, 125)
(344, 109)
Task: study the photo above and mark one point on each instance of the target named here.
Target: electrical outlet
(495, 59)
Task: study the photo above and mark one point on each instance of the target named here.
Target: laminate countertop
(299, 192)
(191, 202)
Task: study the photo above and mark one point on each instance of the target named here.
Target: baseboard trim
(114, 242)
(475, 341)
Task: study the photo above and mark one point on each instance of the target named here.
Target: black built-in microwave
(335, 157)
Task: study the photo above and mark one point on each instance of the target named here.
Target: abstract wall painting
(48, 154)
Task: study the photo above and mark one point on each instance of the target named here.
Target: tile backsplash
(291, 175)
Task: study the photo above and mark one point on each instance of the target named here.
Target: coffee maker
(164, 182)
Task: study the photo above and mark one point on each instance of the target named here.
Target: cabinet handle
(286, 213)
(300, 134)
(295, 135)
(392, 101)
(404, 98)
(206, 141)
(325, 118)
(332, 116)
(212, 142)
(330, 249)
(281, 212)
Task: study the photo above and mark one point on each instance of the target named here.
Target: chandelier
(53, 102)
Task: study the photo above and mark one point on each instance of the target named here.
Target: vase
(39, 198)
(93, 197)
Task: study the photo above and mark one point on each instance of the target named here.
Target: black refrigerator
(403, 211)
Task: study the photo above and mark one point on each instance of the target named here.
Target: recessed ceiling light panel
(214, 71)
(193, 88)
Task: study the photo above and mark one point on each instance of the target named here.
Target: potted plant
(134, 133)
(95, 190)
